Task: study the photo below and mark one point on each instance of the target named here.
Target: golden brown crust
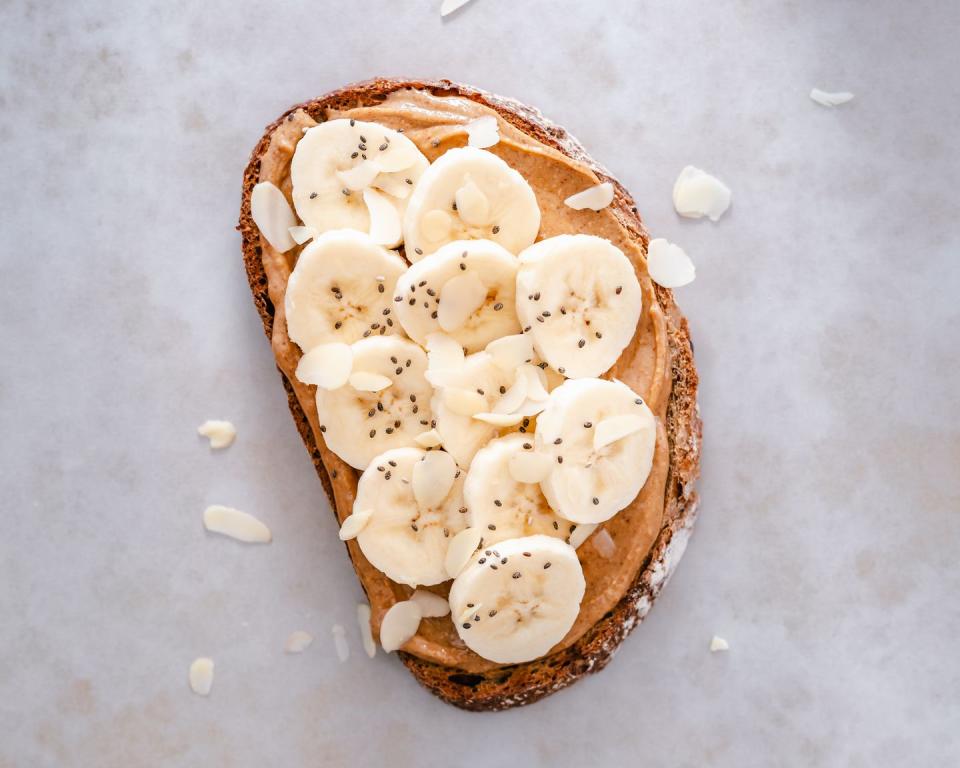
(525, 683)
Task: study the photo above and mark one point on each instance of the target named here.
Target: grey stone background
(826, 322)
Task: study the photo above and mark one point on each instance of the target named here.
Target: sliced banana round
(502, 506)
(601, 436)
(341, 290)
(579, 298)
(470, 194)
(351, 174)
(517, 599)
(385, 404)
(407, 534)
(466, 289)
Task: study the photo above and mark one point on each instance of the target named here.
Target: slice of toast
(516, 685)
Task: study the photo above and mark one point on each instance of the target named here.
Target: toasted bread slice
(503, 687)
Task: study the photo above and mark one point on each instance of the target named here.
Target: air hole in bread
(471, 681)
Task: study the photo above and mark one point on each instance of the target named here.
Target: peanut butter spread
(436, 124)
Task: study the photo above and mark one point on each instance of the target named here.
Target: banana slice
(407, 536)
(341, 290)
(579, 298)
(466, 289)
(601, 436)
(470, 194)
(386, 405)
(500, 505)
(517, 599)
(338, 162)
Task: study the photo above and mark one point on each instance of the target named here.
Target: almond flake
(616, 428)
(328, 365)
(395, 186)
(510, 352)
(718, 644)
(464, 402)
(581, 534)
(428, 439)
(398, 156)
(514, 397)
(368, 382)
(366, 632)
(360, 176)
(483, 132)
(461, 549)
(354, 524)
(220, 433)
(201, 676)
(384, 218)
(399, 624)
(298, 642)
(472, 205)
(604, 544)
(300, 235)
(827, 99)
(340, 642)
(697, 194)
(236, 524)
(536, 382)
(273, 215)
(432, 606)
(530, 466)
(443, 352)
(595, 198)
(531, 407)
(668, 264)
(433, 478)
(460, 297)
(498, 419)
(435, 225)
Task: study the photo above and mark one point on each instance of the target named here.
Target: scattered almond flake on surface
(697, 194)
(354, 524)
(449, 6)
(360, 176)
(499, 419)
(428, 439)
(536, 390)
(298, 642)
(366, 632)
(384, 218)
(595, 198)
(368, 382)
(482, 132)
(327, 366)
(616, 428)
(300, 235)
(604, 544)
(273, 215)
(340, 642)
(513, 398)
(432, 478)
(461, 549)
(510, 352)
(530, 466)
(668, 264)
(431, 604)
(464, 402)
(827, 99)
(718, 644)
(580, 534)
(460, 297)
(472, 205)
(201, 676)
(220, 433)
(400, 623)
(236, 524)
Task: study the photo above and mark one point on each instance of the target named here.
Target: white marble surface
(826, 324)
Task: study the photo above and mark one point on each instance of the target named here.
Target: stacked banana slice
(463, 380)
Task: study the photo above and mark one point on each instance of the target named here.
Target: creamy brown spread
(436, 124)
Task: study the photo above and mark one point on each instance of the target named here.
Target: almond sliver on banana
(327, 366)
(384, 218)
(368, 382)
(616, 428)
(433, 478)
(530, 466)
(464, 401)
(499, 419)
(510, 352)
(360, 176)
(432, 606)
(461, 549)
(399, 624)
(354, 524)
(472, 204)
(460, 297)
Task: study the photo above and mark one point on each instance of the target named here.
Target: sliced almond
(536, 382)
(472, 205)
(354, 524)
(460, 297)
(398, 156)
(514, 397)
(298, 642)
(530, 466)
(510, 352)
(436, 224)
(580, 534)
(360, 176)
(443, 352)
(363, 381)
(384, 218)
(697, 194)
(718, 644)
(236, 524)
(428, 439)
(273, 215)
(400, 623)
(498, 419)
(595, 198)
(220, 433)
(827, 99)
(531, 407)
(201, 676)
(668, 264)
(461, 549)
(395, 186)
(300, 234)
(433, 478)
(328, 365)
(483, 132)
(616, 428)
(366, 632)
(340, 642)
(604, 544)
(432, 606)
(465, 402)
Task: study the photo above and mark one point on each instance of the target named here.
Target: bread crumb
(220, 433)
(718, 644)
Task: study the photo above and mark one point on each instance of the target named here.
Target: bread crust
(522, 684)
